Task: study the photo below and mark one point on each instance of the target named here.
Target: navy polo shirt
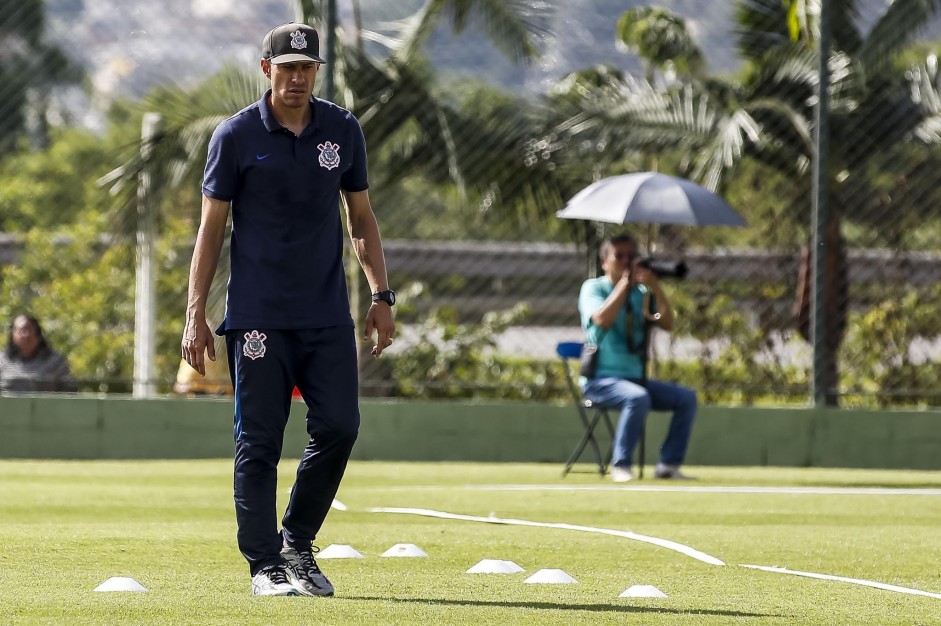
(287, 239)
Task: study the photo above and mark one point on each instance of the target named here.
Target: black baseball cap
(291, 43)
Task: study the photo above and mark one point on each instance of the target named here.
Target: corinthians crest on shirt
(254, 347)
(329, 154)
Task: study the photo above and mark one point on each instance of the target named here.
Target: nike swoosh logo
(261, 157)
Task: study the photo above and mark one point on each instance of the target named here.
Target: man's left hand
(379, 320)
(643, 275)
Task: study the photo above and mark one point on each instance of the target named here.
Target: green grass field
(65, 527)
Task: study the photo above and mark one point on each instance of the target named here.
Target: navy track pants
(266, 365)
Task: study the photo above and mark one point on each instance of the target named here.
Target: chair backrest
(569, 349)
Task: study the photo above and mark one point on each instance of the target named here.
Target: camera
(665, 269)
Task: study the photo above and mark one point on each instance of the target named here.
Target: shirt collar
(271, 123)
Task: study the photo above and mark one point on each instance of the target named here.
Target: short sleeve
(590, 299)
(220, 179)
(356, 177)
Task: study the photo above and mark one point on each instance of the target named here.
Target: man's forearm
(367, 245)
(208, 249)
(608, 311)
(365, 238)
(202, 270)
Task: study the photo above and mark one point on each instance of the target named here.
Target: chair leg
(587, 438)
(610, 455)
(643, 447)
(586, 424)
(598, 458)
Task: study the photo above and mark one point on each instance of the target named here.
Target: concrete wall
(116, 428)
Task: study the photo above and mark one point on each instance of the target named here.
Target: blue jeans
(634, 401)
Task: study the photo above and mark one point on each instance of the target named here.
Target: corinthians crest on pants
(254, 347)
(329, 155)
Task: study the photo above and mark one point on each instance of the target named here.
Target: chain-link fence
(482, 119)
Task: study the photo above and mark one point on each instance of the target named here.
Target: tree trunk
(836, 303)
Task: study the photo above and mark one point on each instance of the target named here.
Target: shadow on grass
(886, 485)
(599, 608)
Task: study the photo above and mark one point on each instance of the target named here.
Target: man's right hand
(197, 337)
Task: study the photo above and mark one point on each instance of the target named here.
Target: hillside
(127, 46)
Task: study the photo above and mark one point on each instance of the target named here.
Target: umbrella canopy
(651, 198)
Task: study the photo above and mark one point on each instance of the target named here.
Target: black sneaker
(670, 472)
(304, 574)
(273, 581)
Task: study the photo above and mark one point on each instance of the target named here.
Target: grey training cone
(650, 198)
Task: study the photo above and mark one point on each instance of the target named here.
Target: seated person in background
(616, 310)
(216, 382)
(28, 364)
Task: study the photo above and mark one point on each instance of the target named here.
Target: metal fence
(480, 126)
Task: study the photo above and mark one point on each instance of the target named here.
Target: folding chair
(570, 351)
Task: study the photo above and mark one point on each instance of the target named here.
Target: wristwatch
(387, 296)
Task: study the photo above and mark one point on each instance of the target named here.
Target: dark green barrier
(118, 428)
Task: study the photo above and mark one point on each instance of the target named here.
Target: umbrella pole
(649, 239)
(650, 355)
(644, 359)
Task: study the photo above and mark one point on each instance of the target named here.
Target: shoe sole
(293, 592)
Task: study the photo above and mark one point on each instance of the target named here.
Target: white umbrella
(652, 198)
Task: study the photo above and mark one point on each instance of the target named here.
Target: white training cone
(642, 591)
(120, 583)
(339, 551)
(404, 549)
(339, 506)
(550, 577)
(495, 566)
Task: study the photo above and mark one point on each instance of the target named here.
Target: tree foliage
(30, 68)
(661, 38)
(51, 188)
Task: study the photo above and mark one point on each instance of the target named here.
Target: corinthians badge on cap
(298, 40)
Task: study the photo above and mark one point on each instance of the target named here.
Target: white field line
(855, 581)
(825, 491)
(663, 543)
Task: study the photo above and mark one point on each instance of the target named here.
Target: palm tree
(661, 38)
(876, 110)
(874, 113)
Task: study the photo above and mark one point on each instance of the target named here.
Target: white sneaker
(621, 474)
(670, 472)
(304, 574)
(273, 581)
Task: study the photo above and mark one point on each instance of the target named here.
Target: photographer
(617, 311)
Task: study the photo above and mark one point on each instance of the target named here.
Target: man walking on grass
(281, 166)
